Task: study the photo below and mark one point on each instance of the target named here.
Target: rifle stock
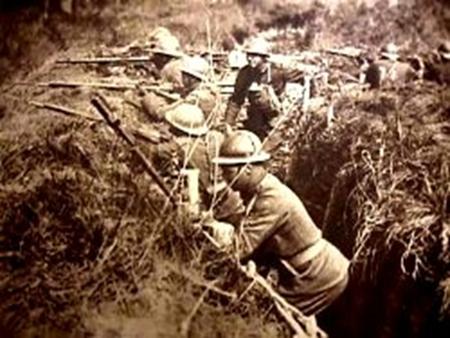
(149, 135)
(101, 105)
(154, 87)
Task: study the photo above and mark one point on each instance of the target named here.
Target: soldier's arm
(281, 76)
(166, 157)
(237, 99)
(258, 226)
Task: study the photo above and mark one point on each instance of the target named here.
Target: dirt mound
(81, 233)
(377, 180)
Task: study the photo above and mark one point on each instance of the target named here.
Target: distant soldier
(197, 88)
(194, 146)
(437, 65)
(262, 83)
(157, 36)
(389, 69)
(237, 59)
(168, 60)
(277, 231)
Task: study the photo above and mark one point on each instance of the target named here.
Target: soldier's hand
(225, 128)
(250, 269)
(222, 232)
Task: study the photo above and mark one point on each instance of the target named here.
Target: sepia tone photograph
(224, 168)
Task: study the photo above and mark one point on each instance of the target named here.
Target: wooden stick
(184, 327)
(307, 324)
(210, 285)
(307, 328)
(299, 332)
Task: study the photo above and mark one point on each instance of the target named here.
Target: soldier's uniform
(389, 70)
(437, 65)
(171, 73)
(195, 147)
(278, 229)
(278, 232)
(203, 94)
(206, 97)
(168, 60)
(263, 89)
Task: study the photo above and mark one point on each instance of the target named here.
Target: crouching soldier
(389, 69)
(168, 61)
(193, 147)
(195, 89)
(262, 83)
(437, 65)
(277, 231)
(198, 90)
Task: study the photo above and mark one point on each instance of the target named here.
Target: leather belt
(305, 256)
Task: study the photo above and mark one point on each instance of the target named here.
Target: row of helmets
(164, 42)
(240, 147)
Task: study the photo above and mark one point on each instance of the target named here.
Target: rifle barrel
(99, 85)
(111, 59)
(64, 110)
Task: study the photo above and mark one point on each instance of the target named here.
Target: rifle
(349, 52)
(106, 60)
(109, 86)
(152, 136)
(131, 59)
(99, 102)
(304, 326)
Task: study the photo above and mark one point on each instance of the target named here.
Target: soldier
(194, 146)
(262, 83)
(168, 60)
(277, 231)
(388, 68)
(437, 65)
(236, 60)
(444, 51)
(197, 89)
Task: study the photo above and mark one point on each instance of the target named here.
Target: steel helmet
(241, 147)
(159, 34)
(169, 46)
(258, 46)
(390, 51)
(196, 66)
(444, 49)
(188, 118)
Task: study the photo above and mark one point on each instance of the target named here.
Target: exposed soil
(84, 250)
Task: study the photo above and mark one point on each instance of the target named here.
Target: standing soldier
(236, 60)
(262, 83)
(277, 231)
(193, 147)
